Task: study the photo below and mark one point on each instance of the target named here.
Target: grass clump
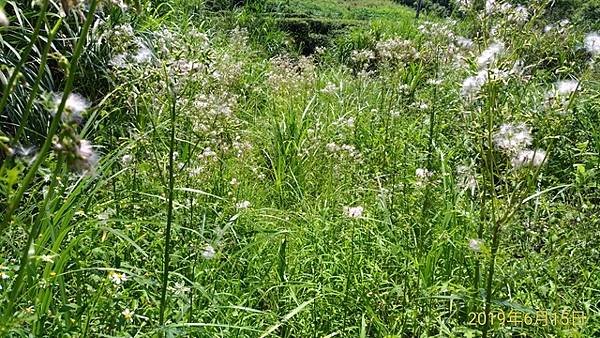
(217, 175)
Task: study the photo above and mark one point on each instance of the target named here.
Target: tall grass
(375, 188)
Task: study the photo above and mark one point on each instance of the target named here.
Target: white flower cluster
(560, 96)
(473, 84)
(591, 42)
(513, 139)
(396, 51)
(466, 179)
(353, 212)
(290, 74)
(344, 151)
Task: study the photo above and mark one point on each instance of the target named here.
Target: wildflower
(512, 138)
(490, 55)
(423, 173)
(3, 18)
(104, 216)
(473, 84)
(504, 8)
(208, 252)
(126, 159)
(464, 42)
(123, 30)
(26, 152)
(396, 50)
(3, 275)
(566, 87)
(466, 178)
(180, 289)
(143, 55)
(243, 205)
(195, 171)
(330, 88)
(520, 15)
(347, 122)
(332, 147)
(591, 43)
(76, 103)
(74, 106)
(475, 244)
(564, 22)
(423, 176)
(127, 314)
(117, 278)
(234, 182)
(465, 4)
(517, 68)
(47, 258)
(561, 93)
(185, 67)
(362, 56)
(435, 82)
(490, 6)
(84, 157)
(120, 3)
(207, 152)
(353, 212)
(527, 157)
(239, 37)
(118, 61)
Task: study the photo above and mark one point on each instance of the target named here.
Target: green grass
(260, 157)
(355, 10)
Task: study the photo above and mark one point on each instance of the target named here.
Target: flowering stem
(167, 252)
(54, 124)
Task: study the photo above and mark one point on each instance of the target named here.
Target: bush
(437, 7)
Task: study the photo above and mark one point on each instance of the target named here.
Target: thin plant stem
(36, 84)
(54, 125)
(167, 251)
(24, 55)
(489, 160)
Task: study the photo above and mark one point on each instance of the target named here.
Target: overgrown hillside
(298, 169)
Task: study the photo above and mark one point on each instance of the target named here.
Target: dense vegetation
(299, 169)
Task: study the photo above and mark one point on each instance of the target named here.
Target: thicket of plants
(179, 168)
(582, 12)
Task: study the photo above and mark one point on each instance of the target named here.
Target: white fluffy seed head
(473, 84)
(490, 55)
(566, 87)
(591, 42)
(529, 158)
(243, 205)
(475, 244)
(353, 212)
(3, 18)
(143, 55)
(208, 252)
(75, 105)
(512, 137)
